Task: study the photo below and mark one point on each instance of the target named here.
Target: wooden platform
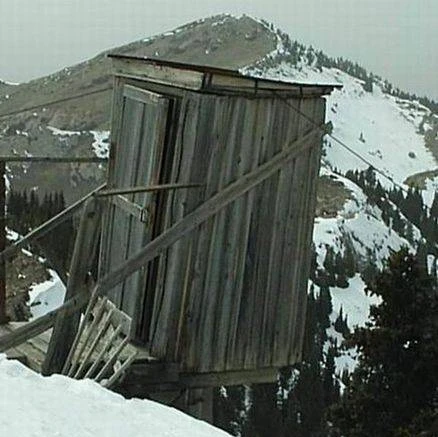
(146, 374)
(30, 353)
(33, 351)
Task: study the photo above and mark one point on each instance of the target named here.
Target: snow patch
(101, 143)
(6, 82)
(354, 301)
(362, 224)
(61, 132)
(33, 405)
(46, 296)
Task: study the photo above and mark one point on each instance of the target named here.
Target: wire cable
(346, 146)
(54, 102)
(359, 156)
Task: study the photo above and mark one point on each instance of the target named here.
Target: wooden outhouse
(240, 157)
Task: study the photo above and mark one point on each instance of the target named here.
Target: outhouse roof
(208, 78)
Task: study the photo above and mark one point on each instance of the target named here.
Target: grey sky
(395, 38)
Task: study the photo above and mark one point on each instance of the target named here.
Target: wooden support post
(146, 189)
(65, 327)
(3, 317)
(199, 403)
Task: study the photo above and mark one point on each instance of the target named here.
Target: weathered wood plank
(117, 108)
(43, 323)
(84, 252)
(286, 126)
(210, 147)
(150, 377)
(289, 256)
(133, 133)
(209, 334)
(148, 170)
(315, 161)
(262, 225)
(167, 299)
(137, 211)
(282, 288)
(235, 235)
(145, 189)
(239, 307)
(164, 75)
(122, 149)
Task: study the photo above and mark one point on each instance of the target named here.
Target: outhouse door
(139, 139)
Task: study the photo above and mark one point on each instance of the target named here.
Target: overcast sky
(397, 39)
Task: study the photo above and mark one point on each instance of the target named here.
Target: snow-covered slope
(381, 128)
(46, 296)
(33, 405)
(387, 131)
(359, 223)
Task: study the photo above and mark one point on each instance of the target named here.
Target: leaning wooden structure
(205, 225)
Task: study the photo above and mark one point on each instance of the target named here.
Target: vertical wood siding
(230, 295)
(139, 142)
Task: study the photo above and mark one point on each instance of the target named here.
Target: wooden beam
(3, 317)
(207, 209)
(66, 325)
(145, 378)
(54, 159)
(131, 208)
(46, 227)
(146, 189)
(216, 379)
(43, 323)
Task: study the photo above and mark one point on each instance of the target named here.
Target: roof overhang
(209, 79)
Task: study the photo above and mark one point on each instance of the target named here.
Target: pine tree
(394, 389)
(434, 207)
(329, 381)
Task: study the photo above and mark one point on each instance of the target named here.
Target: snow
(101, 144)
(389, 125)
(55, 406)
(304, 75)
(430, 190)
(63, 133)
(354, 302)
(12, 235)
(432, 264)
(361, 223)
(383, 129)
(46, 296)
(389, 128)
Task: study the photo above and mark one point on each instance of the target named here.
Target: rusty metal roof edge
(220, 71)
